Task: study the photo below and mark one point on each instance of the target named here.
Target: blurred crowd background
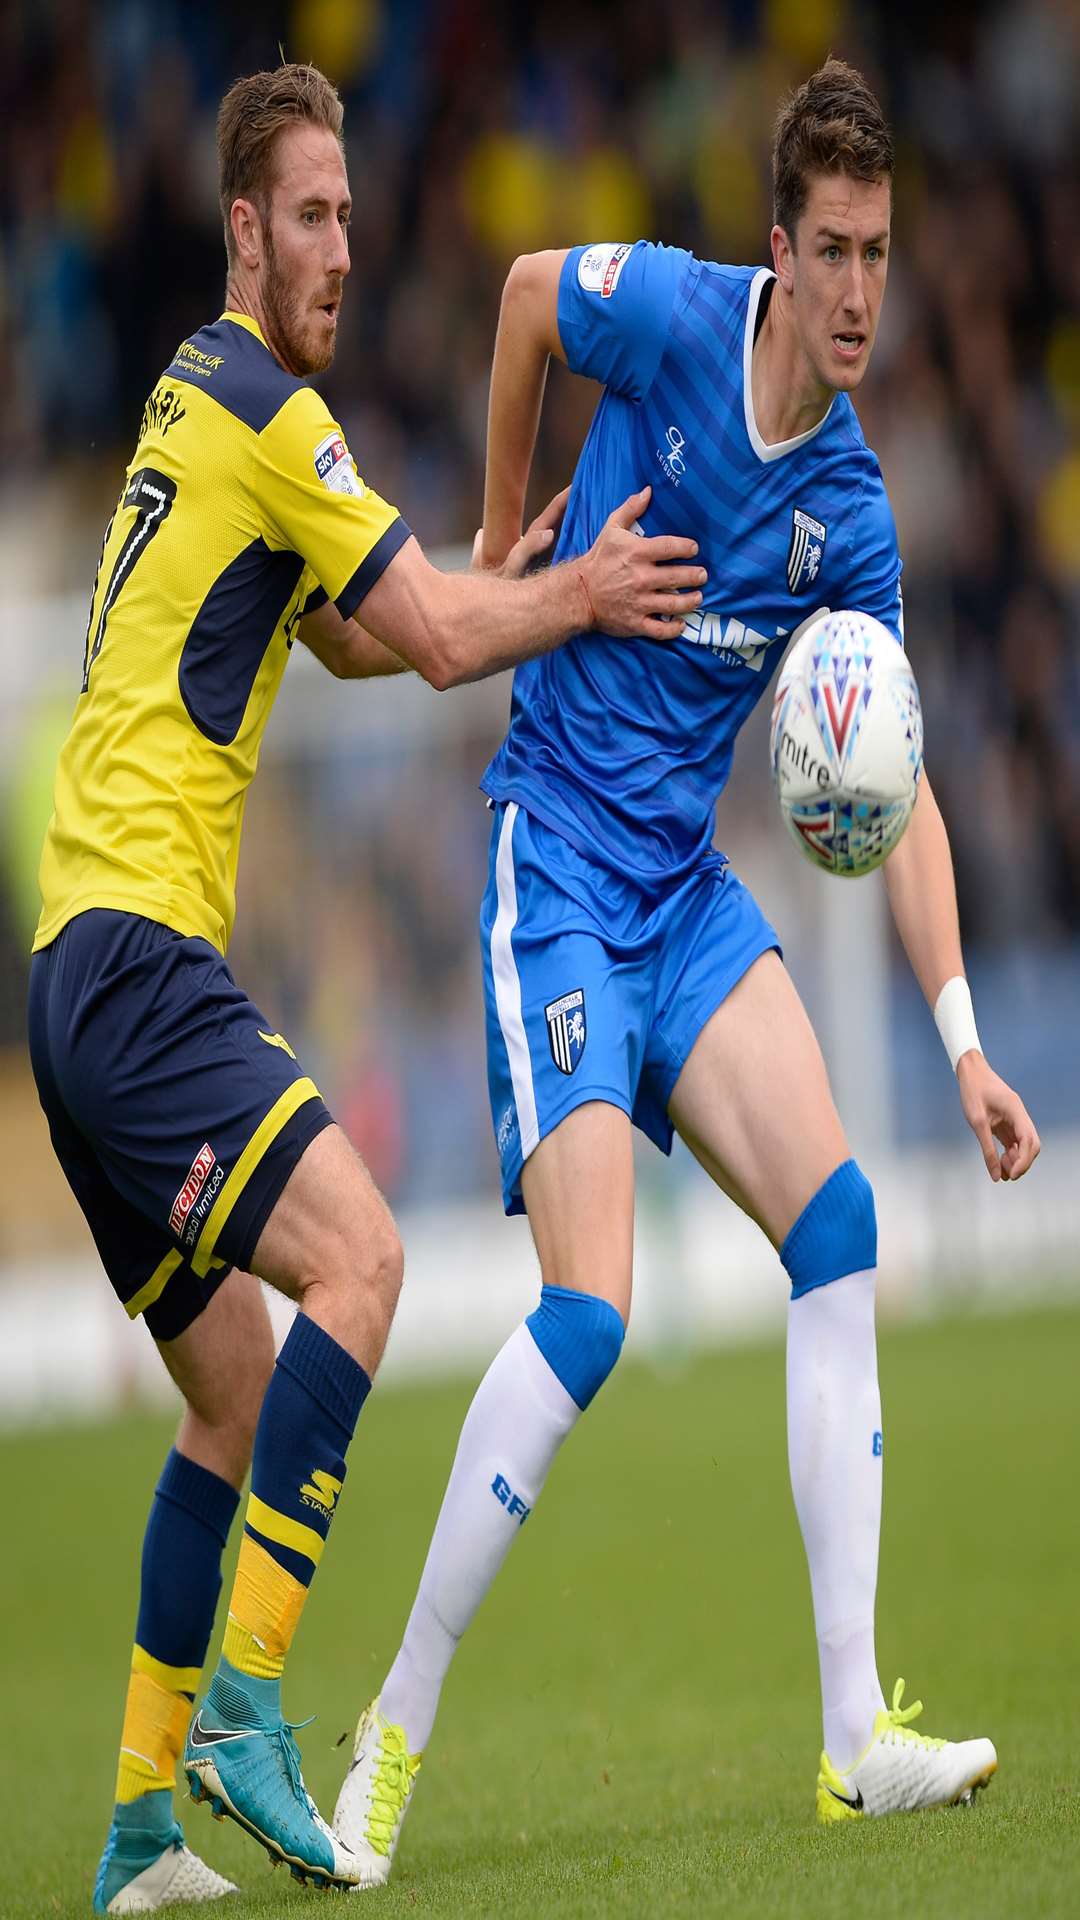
(476, 131)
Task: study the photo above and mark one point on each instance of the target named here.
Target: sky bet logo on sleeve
(600, 266)
(334, 466)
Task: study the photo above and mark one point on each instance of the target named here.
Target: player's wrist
(580, 571)
(954, 1017)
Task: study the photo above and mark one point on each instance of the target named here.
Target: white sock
(834, 1451)
(517, 1422)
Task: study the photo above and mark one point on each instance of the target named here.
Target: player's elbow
(520, 278)
(447, 664)
(530, 300)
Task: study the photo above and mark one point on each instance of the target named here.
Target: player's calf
(145, 1863)
(835, 1442)
(533, 1393)
(331, 1245)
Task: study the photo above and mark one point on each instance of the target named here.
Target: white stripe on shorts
(508, 986)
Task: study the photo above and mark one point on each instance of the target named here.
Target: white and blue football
(846, 742)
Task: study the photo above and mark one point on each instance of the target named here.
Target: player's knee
(580, 1337)
(835, 1234)
(371, 1266)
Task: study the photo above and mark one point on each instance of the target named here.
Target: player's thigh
(568, 994)
(197, 1110)
(148, 1273)
(753, 1101)
(329, 1226)
(578, 1188)
(222, 1364)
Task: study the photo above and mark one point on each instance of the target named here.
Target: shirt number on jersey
(152, 495)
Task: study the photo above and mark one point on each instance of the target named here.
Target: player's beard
(291, 335)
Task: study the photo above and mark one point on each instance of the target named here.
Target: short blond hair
(253, 113)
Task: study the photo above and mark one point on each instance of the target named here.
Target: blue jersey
(623, 747)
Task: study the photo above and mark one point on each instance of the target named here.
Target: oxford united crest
(566, 1029)
(806, 550)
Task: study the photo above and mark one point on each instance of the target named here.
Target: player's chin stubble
(291, 339)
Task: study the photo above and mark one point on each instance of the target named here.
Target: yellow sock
(155, 1723)
(263, 1613)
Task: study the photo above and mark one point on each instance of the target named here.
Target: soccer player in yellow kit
(199, 1150)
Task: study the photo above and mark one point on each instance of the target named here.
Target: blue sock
(189, 1523)
(311, 1407)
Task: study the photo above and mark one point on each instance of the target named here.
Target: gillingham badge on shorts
(566, 1029)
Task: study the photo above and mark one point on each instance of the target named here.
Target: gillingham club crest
(806, 550)
(566, 1029)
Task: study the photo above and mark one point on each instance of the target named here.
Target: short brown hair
(254, 111)
(833, 123)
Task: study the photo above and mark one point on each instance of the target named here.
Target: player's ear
(246, 232)
(783, 254)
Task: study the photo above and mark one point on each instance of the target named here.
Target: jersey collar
(761, 447)
(249, 325)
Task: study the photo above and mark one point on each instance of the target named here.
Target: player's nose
(855, 291)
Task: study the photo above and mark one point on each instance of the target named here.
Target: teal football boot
(242, 1760)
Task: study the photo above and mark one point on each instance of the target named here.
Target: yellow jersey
(241, 511)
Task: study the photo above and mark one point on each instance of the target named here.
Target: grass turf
(631, 1727)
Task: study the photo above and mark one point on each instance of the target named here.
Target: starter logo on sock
(321, 1492)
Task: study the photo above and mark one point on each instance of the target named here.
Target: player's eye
(874, 254)
(832, 251)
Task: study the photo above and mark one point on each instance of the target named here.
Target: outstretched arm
(527, 336)
(922, 895)
(350, 652)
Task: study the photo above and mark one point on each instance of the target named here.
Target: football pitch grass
(632, 1725)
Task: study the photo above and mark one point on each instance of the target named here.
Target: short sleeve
(312, 501)
(873, 583)
(615, 309)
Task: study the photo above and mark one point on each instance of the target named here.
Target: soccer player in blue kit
(631, 979)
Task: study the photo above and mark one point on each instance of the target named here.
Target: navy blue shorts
(595, 990)
(175, 1111)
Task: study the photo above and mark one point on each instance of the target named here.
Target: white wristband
(954, 1017)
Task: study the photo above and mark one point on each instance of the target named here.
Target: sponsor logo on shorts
(276, 1040)
(320, 1492)
(196, 1219)
(202, 1167)
(566, 1029)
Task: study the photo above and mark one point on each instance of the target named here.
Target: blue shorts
(176, 1112)
(595, 989)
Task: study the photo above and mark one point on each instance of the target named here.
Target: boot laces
(390, 1786)
(282, 1738)
(899, 1718)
